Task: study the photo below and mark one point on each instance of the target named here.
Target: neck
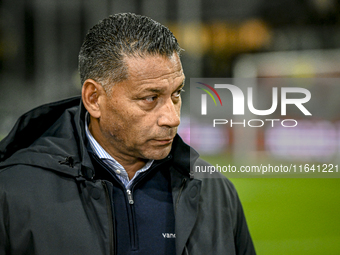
(131, 169)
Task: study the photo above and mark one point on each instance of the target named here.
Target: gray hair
(101, 56)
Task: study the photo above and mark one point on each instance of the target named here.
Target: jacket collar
(185, 191)
(183, 156)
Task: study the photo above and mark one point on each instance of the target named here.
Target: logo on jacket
(169, 235)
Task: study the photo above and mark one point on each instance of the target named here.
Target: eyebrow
(160, 90)
(182, 84)
(154, 90)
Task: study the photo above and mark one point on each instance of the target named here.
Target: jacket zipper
(129, 193)
(131, 215)
(130, 198)
(130, 208)
(111, 223)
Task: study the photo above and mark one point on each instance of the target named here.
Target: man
(107, 173)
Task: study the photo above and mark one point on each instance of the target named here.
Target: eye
(150, 99)
(178, 92)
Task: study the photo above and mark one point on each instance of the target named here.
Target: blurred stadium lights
(219, 37)
(314, 139)
(310, 141)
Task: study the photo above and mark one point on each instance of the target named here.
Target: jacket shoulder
(221, 213)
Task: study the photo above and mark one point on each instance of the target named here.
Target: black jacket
(51, 202)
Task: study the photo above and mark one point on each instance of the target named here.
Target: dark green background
(291, 215)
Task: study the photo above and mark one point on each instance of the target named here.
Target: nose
(170, 114)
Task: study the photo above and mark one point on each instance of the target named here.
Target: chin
(159, 154)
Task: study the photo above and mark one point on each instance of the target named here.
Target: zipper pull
(129, 194)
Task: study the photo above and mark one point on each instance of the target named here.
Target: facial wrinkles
(139, 67)
(161, 80)
(130, 126)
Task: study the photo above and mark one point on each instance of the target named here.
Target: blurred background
(39, 45)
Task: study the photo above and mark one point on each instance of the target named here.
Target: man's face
(139, 118)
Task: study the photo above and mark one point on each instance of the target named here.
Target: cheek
(112, 124)
(130, 123)
(124, 125)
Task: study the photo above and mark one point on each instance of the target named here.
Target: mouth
(163, 141)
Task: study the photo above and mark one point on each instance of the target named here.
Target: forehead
(154, 70)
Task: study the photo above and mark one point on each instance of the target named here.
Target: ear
(92, 92)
